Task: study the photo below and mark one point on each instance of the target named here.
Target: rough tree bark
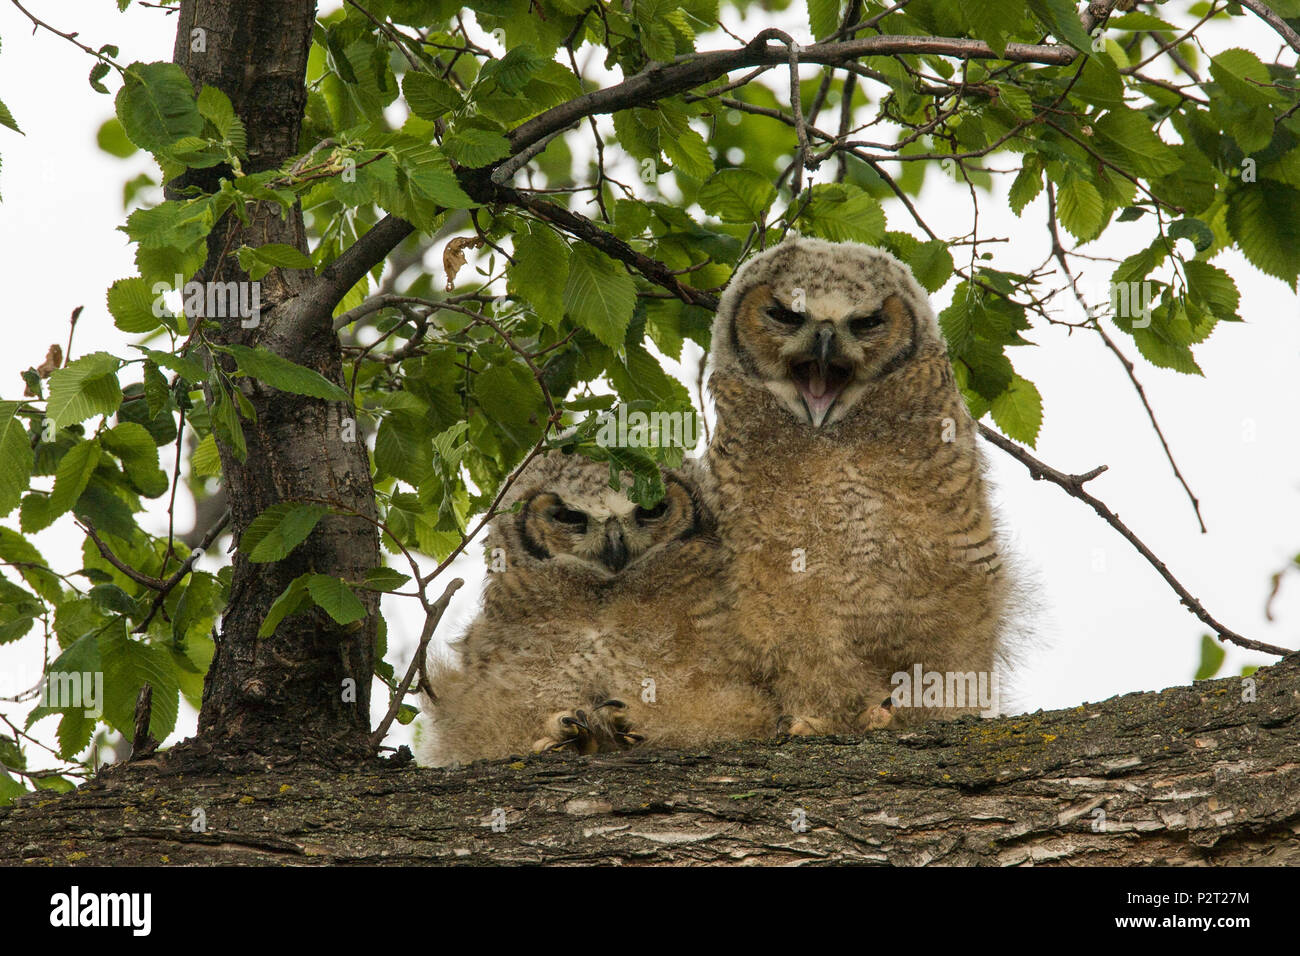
(285, 693)
(1189, 776)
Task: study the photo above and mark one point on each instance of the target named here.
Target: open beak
(614, 553)
(821, 377)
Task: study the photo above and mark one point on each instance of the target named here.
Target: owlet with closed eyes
(592, 632)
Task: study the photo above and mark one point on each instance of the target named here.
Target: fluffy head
(817, 323)
(570, 518)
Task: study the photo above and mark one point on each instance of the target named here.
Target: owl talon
(788, 725)
(874, 718)
(568, 729)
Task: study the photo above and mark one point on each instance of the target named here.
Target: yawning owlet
(850, 492)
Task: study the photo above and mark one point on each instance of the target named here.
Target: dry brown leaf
(53, 360)
(453, 256)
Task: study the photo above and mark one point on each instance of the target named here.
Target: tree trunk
(307, 688)
(1188, 776)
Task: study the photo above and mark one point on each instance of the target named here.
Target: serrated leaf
(475, 147)
(384, 579)
(1062, 18)
(278, 372)
(16, 457)
(1027, 184)
(128, 665)
(291, 600)
(71, 478)
(541, 271)
(1243, 76)
(131, 303)
(842, 212)
(279, 529)
(931, 264)
(428, 96)
(132, 443)
(85, 387)
(1080, 209)
(206, 461)
(599, 295)
(1018, 411)
(736, 195)
(993, 20)
(257, 261)
(823, 17)
(156, 106)
(192, 372)
(688, 153)
(1264, 219)
(336, 598)
(1125, 137)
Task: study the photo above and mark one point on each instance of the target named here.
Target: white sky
(1108, 624)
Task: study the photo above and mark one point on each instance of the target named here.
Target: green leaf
(279, 529)
(71, 478)
(85, 387)
(265, 366)
(1212, 656)
(842, 212)
(931, 264)
(599, 295)
(1194, 229)
(428, 96)
(336, 598)
(736, 195)
(1061, 17)
(384, 579)
(156, 106)
(206, 461)
(131, 303)
(192, 372)
(257, 261)
(823, 17)
(1027, 184)
(475, 147)
(1264, 219)
(1212, 288)
(292, 600)
(992, 20)
(128, 665)
(1080, 209)
(7, 119)
(113, 140)
(541, 271)
(1125, 137)
(132, 443)
(16, 457)
(688, 153)
(1241, 74)
(513, 71)
(1019, 411)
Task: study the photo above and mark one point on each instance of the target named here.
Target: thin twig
(1059, 252)
(1073, 485)
(431, 618)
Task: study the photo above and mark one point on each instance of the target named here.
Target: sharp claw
(611, 703)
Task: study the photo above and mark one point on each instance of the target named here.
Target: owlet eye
(779, 313)
(864, 324)
(651, 514)
(575, 519)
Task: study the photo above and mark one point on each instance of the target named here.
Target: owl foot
(787, 725)
(568, 729)
(874, 718)
(618, 725)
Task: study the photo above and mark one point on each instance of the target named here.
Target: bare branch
(1073, 484)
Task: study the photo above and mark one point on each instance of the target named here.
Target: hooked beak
(614, 553)
(823, 376)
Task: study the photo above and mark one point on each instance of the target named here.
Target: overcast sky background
(1106, 623)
